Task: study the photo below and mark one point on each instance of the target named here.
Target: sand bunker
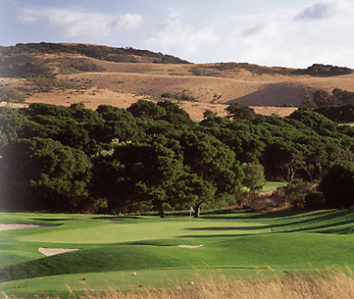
(19, 226)
(187, 246)
(54, 251)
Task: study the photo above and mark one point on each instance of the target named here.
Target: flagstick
(190, 213)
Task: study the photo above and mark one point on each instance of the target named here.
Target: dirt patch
(54, 251)
(269, 202)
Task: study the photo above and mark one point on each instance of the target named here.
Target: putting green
(98, 232)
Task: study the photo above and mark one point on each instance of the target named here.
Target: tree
(139, 173)
(285, 157)
(324, 98)
(213, 163)
(43, 174)
(175, 115)
(241, 112)
(119, 123)
(14, 124)
(254, 176)
(338, 185)
(11, 95)
(146, 109)
(208, 113)
(48, 110)
(313, 120)
(307, 101)
(343, 96)
(194, 190)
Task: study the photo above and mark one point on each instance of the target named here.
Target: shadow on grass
(217, 236)
(283, 214)
(227, 228)
(52, 219)
(118, 218)
(324, 220)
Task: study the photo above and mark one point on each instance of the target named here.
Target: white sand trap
(187, 246)
(19, 226)
(54, 251)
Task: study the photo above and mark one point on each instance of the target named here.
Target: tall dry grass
(336, 285)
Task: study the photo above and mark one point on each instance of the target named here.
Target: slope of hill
(94, 51)
(121, 76)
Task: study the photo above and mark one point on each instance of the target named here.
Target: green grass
(271, 186)
(347, 124)
(99, 232)
(241, 244)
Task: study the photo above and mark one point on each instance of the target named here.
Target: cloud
(317, 11)
(126, 22)
(176, 36)
(254, 29)
(75, 23)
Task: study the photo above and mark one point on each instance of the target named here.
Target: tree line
(153, 157)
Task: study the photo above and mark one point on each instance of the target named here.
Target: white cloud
(278, 38)
(75, 23)
(320, 10)
(176, 36)
(126, 22)
(297, 35)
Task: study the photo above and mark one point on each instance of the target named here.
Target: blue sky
(272, 33)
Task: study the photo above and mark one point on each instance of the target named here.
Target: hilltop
(63, 74)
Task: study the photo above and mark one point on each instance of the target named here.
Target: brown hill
(122, 83)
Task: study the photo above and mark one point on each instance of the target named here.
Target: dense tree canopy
(44, 174)
(153, 157)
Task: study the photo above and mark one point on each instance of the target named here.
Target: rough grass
(334, 284)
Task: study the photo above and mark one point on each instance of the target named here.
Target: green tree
(208, 113)
(324, 98)
(284, 157)
(307, 101)
(119, 123)
(241, 112)
(139, 173)
(313, 120)
(14, 124)
(213, 162)
(194, 190)
(175, 115)
(254, 176)
(338, 185)
(147, 109)
(44, 174)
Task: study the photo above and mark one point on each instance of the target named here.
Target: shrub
(338, 185)
(298, 194)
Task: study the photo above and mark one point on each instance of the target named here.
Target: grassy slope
(239, 242)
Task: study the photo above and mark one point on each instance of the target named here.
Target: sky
(286, 33)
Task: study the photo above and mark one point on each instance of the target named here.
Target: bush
(298, 194)
(338, 185)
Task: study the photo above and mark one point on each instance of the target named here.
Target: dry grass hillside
(212, 85)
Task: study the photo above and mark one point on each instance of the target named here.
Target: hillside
(121, 76)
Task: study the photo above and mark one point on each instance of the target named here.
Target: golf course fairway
(166, 252)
